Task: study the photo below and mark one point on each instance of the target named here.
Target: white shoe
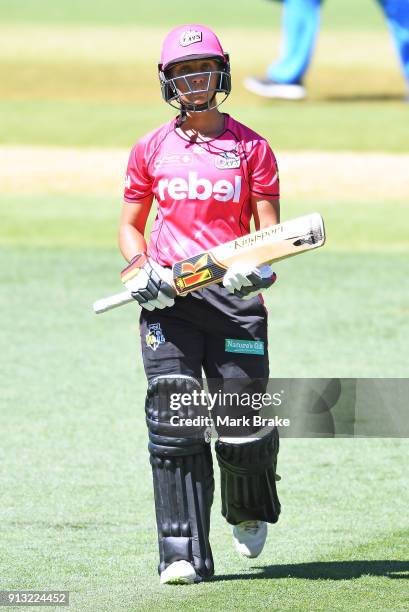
(249, 538)
(179, 572)
(270, 89)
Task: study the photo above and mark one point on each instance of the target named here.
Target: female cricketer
(210, 175)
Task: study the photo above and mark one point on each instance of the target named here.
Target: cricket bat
(264, 246)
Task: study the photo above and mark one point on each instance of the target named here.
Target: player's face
(195, 80)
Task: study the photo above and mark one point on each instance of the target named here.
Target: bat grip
(113, 301)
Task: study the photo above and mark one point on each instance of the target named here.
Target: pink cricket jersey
(202, 189)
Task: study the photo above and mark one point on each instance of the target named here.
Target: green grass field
(77, 503)
(339, 14)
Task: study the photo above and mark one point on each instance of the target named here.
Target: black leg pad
(182, 473)
(248, 479)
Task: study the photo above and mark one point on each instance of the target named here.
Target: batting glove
(246, 283)
(149, 283)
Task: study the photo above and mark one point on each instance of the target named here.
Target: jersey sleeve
(264, 179)
(138, 182)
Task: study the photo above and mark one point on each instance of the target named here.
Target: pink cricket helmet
(190, 42)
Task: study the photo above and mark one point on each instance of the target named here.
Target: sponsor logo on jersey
(189, 37)
(155, 336)
(173, 159)
(196, 188)
(227, 160)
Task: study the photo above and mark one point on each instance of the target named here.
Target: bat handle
(113, 301)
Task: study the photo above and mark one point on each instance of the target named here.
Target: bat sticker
(197, 271)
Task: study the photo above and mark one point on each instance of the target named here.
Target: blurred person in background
(300, 24)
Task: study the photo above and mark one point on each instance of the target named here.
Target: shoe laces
(250, 526)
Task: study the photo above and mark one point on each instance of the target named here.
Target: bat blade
(264, 246)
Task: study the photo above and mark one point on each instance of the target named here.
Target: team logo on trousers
(154, 337)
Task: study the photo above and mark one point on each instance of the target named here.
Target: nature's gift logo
(251, 347)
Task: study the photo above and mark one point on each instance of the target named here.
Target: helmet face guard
(211, 83)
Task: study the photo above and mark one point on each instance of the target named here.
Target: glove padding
(246, 283)
(149, 283)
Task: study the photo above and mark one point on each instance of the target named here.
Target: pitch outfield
(70, 86)
(77, 510)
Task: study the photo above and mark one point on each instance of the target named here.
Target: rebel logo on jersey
(196, 188)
